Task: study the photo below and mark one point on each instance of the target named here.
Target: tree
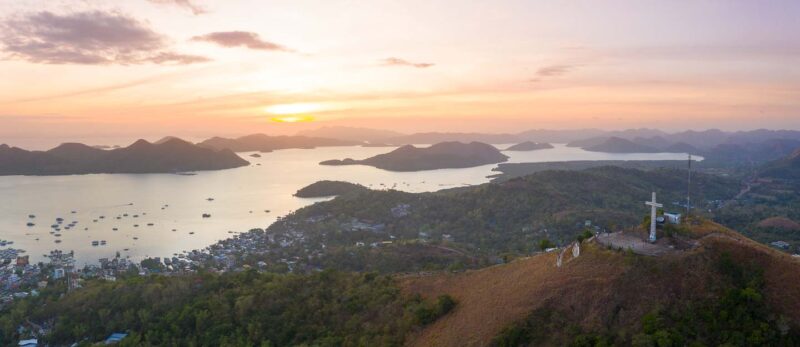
(544, 244)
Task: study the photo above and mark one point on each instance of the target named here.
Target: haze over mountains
(266, 143)
(719, 148)
(703, 139)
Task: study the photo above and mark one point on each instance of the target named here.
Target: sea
(158, 215)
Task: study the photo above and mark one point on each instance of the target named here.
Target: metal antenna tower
(689, 189)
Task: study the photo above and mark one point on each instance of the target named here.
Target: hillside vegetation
(486, 222)
(244, 309)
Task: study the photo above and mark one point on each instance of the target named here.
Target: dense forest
(243, 309)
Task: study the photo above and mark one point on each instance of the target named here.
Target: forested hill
(511, 217)
(167, 156)
(236, 309)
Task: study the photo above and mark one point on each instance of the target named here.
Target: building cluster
(18, 278)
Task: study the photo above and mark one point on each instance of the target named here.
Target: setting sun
(293, 119)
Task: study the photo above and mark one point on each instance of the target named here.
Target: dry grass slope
(600, 289)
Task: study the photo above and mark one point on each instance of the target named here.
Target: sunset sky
(147, 68)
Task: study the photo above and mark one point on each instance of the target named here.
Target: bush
(426, 313)
(545, 244)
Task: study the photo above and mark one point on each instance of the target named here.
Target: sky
(107, 69)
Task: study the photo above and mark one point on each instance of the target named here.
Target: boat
(95, 243)
(136, 225)
(31, 216)
(103, 242)
(115, 229)
(57, 241)
(30, 224)
(57, 235)
(206, 215)
(149, 224)
(210, 199)
(191, 233)
(135, 238)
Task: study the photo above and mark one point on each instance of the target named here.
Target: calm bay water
(240, 198)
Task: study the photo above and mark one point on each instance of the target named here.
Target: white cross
(654, 206)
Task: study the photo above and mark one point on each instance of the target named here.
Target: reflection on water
(162, 214)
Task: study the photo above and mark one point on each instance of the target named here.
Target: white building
(672, 218)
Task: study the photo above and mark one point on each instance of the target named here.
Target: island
(266, 143)
(327, 188)
(529, 146)
(443, 155)
(171, 156)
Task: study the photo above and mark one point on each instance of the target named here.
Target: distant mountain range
(351, 134)
(697, 141)
(171, 155)
(620, 145)
(266, 143)
(436, 137)
(439, 156)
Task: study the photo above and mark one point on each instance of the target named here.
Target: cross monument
(653, 207)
